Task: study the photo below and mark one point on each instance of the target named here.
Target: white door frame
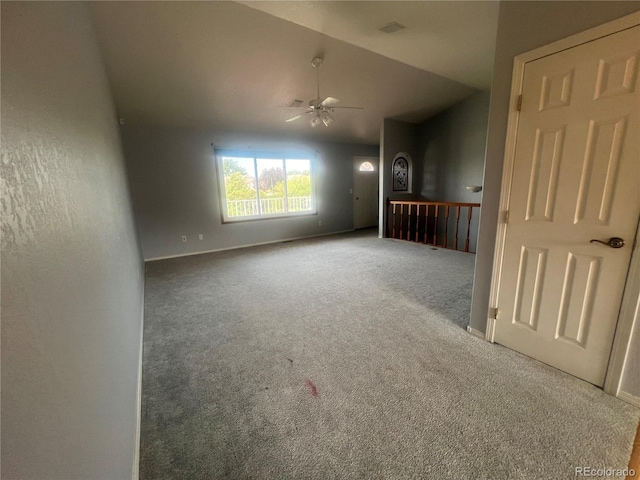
(631, 297)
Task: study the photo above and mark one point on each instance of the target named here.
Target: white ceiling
(454, 39)
(229, 67)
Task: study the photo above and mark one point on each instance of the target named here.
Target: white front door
(365, 192)
(576, 178)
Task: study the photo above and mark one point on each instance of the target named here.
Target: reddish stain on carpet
(314, 390)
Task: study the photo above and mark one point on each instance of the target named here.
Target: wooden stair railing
(431, 223)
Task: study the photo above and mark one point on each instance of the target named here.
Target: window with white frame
(265, 184)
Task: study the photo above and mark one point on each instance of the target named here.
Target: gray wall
(522, 26)
(630, 383)
(72, 285)
(396, 137)
(452, 150)
(447, 153)
(631, 373)
(175, 190)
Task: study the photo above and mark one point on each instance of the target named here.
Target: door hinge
(519, 107)
(493, 313)
(506, 217)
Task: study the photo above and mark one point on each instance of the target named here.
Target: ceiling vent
(392, 27)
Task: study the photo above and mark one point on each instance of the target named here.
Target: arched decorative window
(366, 167)
(401, 173)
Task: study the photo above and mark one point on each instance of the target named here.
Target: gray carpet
(344, 357)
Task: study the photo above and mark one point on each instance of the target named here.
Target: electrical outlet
(200, 237)
(184, 238)
(351, 190)
(319, 222)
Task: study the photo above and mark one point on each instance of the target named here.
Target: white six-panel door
(576, 178)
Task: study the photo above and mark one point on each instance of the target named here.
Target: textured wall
(523, 26)
(72, 283)
(175, 190)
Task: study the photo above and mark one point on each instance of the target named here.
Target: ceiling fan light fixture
(318, 108)
(326, 118)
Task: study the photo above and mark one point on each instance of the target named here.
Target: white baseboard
(627, 397)
(135, 471)
(476, 333)
(153, 259)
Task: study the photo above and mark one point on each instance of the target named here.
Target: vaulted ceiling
(232, 67)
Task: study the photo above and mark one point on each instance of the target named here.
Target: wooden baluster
(387, 232)
(455, 243)
(417, 221)
(426, 222)
(393, 221)
(435, 226)
(446, 225)
(396, 227)
(466, 244)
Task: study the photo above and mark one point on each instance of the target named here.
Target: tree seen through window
(255, 186)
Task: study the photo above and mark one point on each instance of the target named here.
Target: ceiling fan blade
(329, 102)
(294, 104)
(357, 108)
(298, 116)
(294, 118)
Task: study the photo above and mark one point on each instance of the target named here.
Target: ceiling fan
(319, 109)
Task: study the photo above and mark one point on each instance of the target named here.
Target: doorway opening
(366, 175)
